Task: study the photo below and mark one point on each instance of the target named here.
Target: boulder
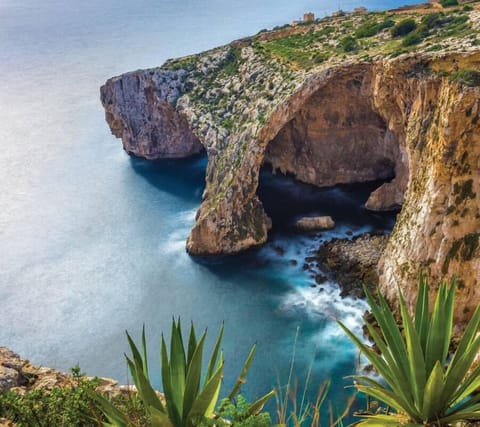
(315, 223)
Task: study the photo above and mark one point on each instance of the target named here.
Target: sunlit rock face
(337, 136)
(138, 108)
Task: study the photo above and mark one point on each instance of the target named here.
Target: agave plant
(423, 383)
(187, 401)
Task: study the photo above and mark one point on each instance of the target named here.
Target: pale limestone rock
(315, 223)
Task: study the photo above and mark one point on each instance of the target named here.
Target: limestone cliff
(337, 101)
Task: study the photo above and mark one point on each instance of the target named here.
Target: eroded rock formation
(404, 118)
(146, 121)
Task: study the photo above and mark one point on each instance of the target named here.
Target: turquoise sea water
(92, 242)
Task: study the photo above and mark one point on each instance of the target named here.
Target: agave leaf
(144, 352)
(448, 307)
(384, 395)
(376, 360)
(469, 386)
(436, 334)
(137, 358)
(192, 383)
(177, 366)
(415, 355)
(207, 399)
(402, 400)
(432, 402)
(455, 376)
(145, 390)
(395, 379)
(472, 413)
(192, 344)
(172, 410)
(159, 419)
(243, 373)
(465, 405)
(213, 358)
(391, 333)
(113, 414)
(467, 339)
(422, 314)
(258, 405)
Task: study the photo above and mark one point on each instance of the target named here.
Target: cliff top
(366, 36)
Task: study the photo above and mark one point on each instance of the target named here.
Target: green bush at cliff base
(188, 402)
(423, 385)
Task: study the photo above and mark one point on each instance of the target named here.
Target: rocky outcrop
(138, 108)
(315, 223)
(21, 376)
(353, 262)
(326, 119)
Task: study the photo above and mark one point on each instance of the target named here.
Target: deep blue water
(92, 241)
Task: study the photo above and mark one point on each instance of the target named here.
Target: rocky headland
(341, 100)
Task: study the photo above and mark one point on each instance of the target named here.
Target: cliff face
(412, 118)
(438, 228)
(139, 111)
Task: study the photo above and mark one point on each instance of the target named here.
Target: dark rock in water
(349, 232)
(353, 262)
(313, 285)
(293, 262)
(279, 250)
(305, 267)
(320, 278)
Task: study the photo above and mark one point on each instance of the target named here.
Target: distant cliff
(346, 99)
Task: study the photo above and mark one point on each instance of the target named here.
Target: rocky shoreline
(353, 262)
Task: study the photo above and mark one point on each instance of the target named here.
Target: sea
(92, 241)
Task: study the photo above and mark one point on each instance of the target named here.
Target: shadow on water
(286, 200)
(184, 178)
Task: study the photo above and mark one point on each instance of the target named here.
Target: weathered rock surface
(353, 262)
(20, 375)
(147, 122)
(345, 120)
(315, 223)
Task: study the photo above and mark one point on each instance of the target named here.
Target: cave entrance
(286, 200)
(336, 138)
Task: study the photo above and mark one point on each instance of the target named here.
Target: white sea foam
(175, 240)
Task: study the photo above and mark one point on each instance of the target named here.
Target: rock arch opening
(337, 137)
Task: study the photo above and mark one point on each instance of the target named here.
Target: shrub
(448, 3)
(411, 39)
(433, 20)
(423, 385)
(370, 29)
(348, 44)
(403, 27)
(69, 406)
(467, 77)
